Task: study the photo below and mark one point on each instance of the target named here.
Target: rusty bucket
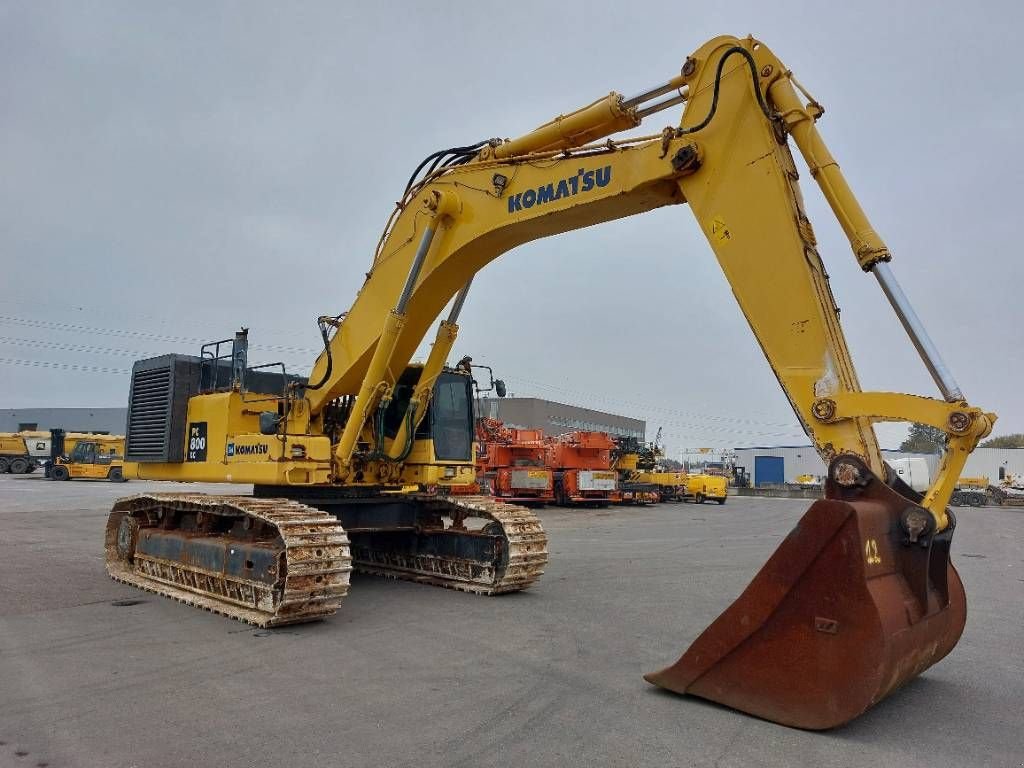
(848, 608)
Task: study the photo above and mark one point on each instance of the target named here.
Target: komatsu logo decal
(248, 450)
(583, 181)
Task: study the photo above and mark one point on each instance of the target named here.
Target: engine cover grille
(158, 407)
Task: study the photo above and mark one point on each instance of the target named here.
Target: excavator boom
(730, 161)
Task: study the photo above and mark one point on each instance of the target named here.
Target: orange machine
(511, 462)
(582, 465)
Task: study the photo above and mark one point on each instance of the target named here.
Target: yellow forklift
(95, 457)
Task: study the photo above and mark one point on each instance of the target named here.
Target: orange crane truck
(511, 463)
(582, 467)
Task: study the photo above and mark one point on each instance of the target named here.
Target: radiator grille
(158, 407)
(149, 415)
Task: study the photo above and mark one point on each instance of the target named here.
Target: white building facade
(776, 465)
(773, 465)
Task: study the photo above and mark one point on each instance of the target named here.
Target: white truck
(914, 472)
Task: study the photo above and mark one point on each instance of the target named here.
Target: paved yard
(408, 675)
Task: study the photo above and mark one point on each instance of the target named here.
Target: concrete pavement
(93, 673)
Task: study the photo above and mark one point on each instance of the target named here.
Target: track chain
(315, 548)
(523, 536)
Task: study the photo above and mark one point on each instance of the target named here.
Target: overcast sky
(172, 171)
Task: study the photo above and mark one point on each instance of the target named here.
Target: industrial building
(108, 421)
(995, 463)
(772, 465)
(558, 418)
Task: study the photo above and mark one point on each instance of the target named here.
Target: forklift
(89, 459)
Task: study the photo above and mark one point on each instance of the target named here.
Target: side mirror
(499, 388)
(268, 423)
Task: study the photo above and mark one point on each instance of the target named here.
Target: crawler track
(272, 561)
(520, 554)
(308, 552)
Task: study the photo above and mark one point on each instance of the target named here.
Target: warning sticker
(718, 229)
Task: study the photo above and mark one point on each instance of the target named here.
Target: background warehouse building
(558, 418)
(775, 465)
(110, 421)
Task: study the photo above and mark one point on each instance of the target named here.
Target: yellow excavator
(362, 464)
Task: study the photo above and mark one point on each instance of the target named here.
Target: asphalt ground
(410, 675)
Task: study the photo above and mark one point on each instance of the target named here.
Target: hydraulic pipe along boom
(373, 382)
(918, 333)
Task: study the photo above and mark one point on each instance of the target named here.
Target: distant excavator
(360, 464)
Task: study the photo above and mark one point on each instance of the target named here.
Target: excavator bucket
(849, 608)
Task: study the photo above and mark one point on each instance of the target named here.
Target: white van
(913, 471)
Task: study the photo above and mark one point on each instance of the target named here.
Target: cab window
(451, 418)
(84, 453)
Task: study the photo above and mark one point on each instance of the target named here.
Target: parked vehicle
(14, 455)
(701, 488)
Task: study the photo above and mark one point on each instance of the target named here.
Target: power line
(88, 348)
(122, 333)
(592, 396)
(96, 311)
(64, 366)
(112, 351)
(697, 421)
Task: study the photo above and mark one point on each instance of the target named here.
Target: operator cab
(91, 452)
(449, 418)
(84, 452)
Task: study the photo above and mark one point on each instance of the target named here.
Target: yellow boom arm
(730, 160)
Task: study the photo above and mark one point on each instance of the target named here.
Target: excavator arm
(729, 159)
(862, 595)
